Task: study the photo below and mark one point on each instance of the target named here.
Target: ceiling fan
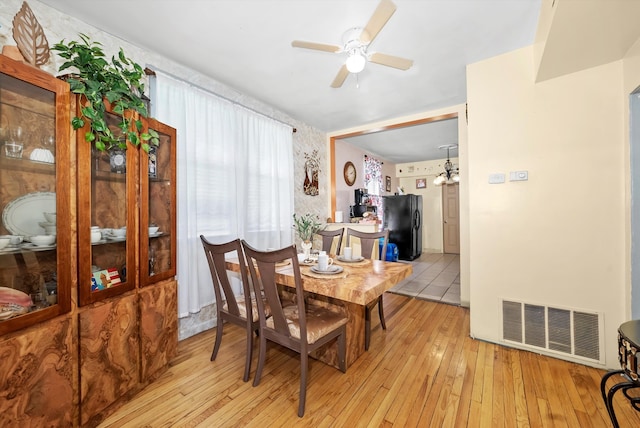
(355, 43)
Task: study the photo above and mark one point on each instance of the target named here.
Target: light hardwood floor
(423, 371)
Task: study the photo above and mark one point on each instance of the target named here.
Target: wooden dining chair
(328, 237)
(301, 327)
(370, 244)
(241, 311)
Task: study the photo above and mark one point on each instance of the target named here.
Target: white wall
(559, 238)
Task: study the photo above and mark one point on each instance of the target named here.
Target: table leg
(608, 396)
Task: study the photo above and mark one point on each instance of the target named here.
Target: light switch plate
(518, 175)
(496, 178)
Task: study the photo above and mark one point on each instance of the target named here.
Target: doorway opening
(634, 141)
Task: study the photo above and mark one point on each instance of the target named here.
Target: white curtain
(235, 180)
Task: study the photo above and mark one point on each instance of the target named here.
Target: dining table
(358, 282)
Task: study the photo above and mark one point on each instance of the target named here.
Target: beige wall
(432, 231)
(559, 238)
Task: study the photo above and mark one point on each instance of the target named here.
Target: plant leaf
(77, 123)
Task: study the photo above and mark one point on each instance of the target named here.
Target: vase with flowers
(306, 226)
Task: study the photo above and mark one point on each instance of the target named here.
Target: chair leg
(367, 327)
(381, 312)
(247, 364)
(304, 369)
(216, 347)
(342, 351)
(261, 356)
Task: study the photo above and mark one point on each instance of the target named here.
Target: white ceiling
(246, 44)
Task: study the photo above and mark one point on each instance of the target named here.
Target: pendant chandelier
(450, 175)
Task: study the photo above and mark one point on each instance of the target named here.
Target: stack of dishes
(23, 215)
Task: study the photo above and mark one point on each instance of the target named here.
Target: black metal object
(628, 348)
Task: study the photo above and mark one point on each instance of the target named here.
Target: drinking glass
(13, 149)
(17, 134)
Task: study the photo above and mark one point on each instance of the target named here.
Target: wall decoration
(350, 173)
(30, 37)
(387, 183)
(421, 183)
(311, 171)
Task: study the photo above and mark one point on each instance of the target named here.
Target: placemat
(278, 264)
(361, 263)
(305, 270)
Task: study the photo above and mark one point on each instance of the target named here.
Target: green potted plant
(306, 226)
(97, 81)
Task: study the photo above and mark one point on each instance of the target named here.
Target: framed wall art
(421, 183)
(388, 183)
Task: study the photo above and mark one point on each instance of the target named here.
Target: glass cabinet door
(158, 206)
(35, 247)
(106, 218)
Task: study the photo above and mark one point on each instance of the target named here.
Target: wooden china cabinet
(126, 285)
(103, 323)
(37, 348)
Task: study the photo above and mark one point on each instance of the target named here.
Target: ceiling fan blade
(340, 77)
(391, 61)
(383, 12)
(315, 46)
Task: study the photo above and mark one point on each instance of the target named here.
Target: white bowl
(50, 230)
(153, 229)
(43, 240)
(51, 217)
(4, 241)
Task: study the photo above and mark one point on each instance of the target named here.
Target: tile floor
(435, 276)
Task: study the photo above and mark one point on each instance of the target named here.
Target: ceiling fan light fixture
(356, 61)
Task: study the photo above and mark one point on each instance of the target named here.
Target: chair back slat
(369, 241)
(328, 236)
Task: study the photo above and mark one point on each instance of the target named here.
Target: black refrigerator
(402, 217)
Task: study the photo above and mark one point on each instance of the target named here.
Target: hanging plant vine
(118, 82)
